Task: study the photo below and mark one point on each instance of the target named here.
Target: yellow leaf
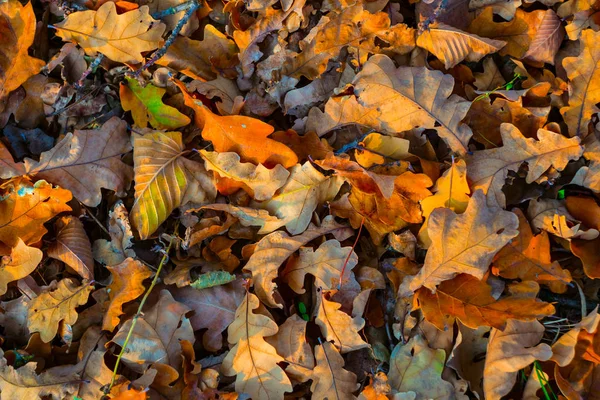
(337, 326)
(252, 360)
(488, 169)
(413, 97)
(21, 261)
(260, 182)
(55, 306)
(249, 217)
(377, 147)
(272, 250)
(465, 243)
(127, 285)
(295, 202)
(330, 379)
(451, 45)
(120, 37)
(17, 29)
(451, 191)
(164, 180)
(73, 247)
(24, 208)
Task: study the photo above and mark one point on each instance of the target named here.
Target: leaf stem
(138, 314)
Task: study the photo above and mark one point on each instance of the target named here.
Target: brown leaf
(126, 285)
(119, 247)
(73, 247)
(330, 379)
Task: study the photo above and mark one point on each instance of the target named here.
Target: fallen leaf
(127, 285)
(56, 306)
(464, 243)
(121, 236)
(470, 300)
(17, 28)
(330, 379)
(250, 217)
(120, 37)
(252, 360)
(164, 180)
(21, 261)
(146, 105)
(73, 247)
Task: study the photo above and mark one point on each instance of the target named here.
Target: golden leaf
(295, 202)
(249, 217)
(325, 264)
(127, 285)
(164, 180)
(120, 37)
(488, 169)
(24, 208)
(21, 261)
(252, 359)
(451, 45)
(73, 247)
(17, 29)
(86, 161)
(272, 250)
(330, 379)
(260, 182)
(470, 300)
(465, 243)
(414, 97)
(337, 326)
(55, 306)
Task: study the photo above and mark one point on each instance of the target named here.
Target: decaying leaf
(330, 379)
(73, 247)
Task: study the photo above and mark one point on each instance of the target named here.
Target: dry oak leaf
(21, 261)
(258, 181)
(415, 367)
(451, 192)
(466, 356)
(509, 350)
(127, 285)
(343, 111)
(121, 236)
(325, 264)
(86, 161)
(337, 326)
(252, 359)
(584, 84)
(52, 307)
(24, 208)
(547, 40)
(470, 300)
(164, 180)
(272, 250)
(17, 30)
(552, 216)
(157, 335)
(243, 135)
(120, 37)
(451, 45)
(9, 168)
(73, 247)
(330, 379)
(55, 383)
(488, 169)
(197, 59)
(589, 176)
(146, 105)
(214, 310)
(306, 146)
(354, 28)
(376, 148)
(414, 97)
(295, 202)
(248, 216)
(527, 257)
(290, 342)
(464, 243)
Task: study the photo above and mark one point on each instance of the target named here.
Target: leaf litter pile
(299, 199)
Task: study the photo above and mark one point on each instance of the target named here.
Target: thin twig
(138, 314)
(89, 212)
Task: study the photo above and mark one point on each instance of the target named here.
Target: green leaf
(146, 105)
(212, 278)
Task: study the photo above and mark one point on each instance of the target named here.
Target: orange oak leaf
(470, 300)
(20, 262)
